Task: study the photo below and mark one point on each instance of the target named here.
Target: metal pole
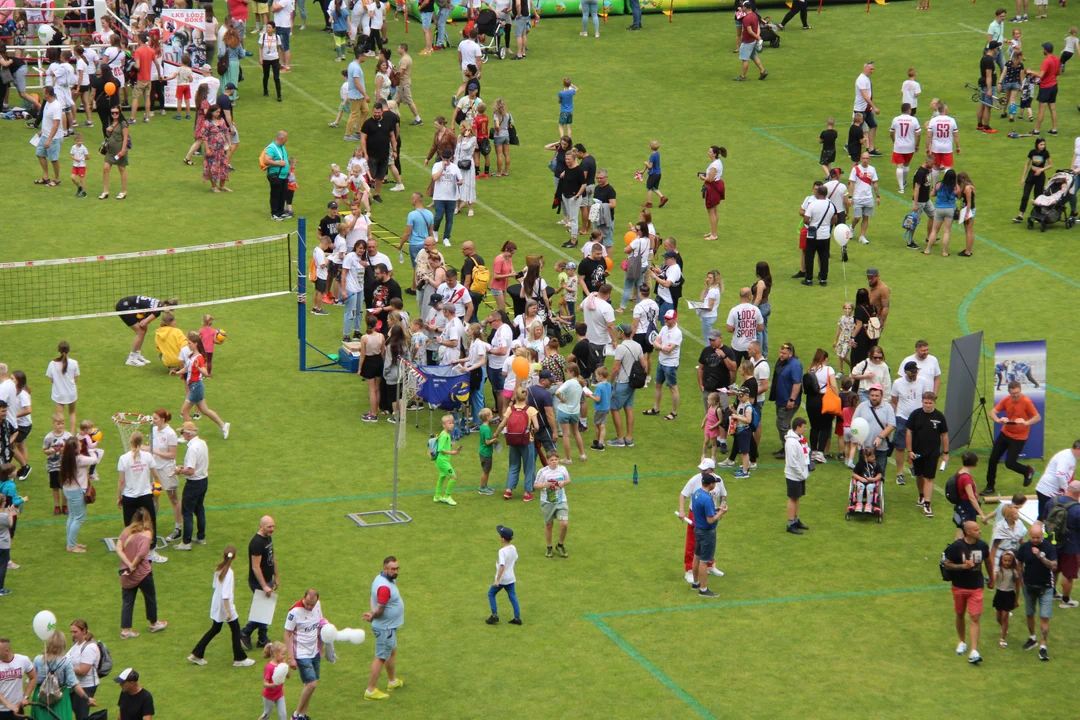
(399, 431)
(301, 288)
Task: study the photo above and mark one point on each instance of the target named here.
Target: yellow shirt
(169, 340)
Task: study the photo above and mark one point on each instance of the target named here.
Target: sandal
(650, 411)
(926, 252)
(671, 416)
(103, 196)
(188, 162)
(944, 254)
(52, 183)
(41, 181)
(964, 253)
(121, 196)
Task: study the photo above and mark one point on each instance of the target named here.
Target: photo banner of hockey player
(1024, 362)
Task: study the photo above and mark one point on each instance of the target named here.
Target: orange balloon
(629, 237)
(520, 367)
(110, 88)
(607, 261)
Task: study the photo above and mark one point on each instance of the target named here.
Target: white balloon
(280, 672)
(860, 429)
(353, 635)
(44, 624)
(329, 633)
(842, 235)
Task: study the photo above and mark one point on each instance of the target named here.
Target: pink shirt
(502, 266)
(272, 693)
(207, 334)
(137, 549)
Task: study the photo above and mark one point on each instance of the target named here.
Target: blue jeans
(629, 291)
(707, 325)
(444, 207)
(440, 37)
(635, 9)
(352, 316)
(76, 513)
(664, 307)
(476, 398)
(763, 336)
(521, 456)
(510, 593)
(590, 8)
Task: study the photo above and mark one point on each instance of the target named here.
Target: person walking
(1034, 182)
(798, 7)
(357, 95)
(262, 576)
(748, 49)
(706, 517)
(627, 353)
(1048, 87)
(116, 153)
(1039, 560)
(133, 548)
(963, 560)
(63, 374)
(84, 656)
(1056, 476)
(223, 610)
(881, 418)
(505, 579)
(1063, 518)
(863, 194)
(277, 174)
(304, 646)
(906, 397)
(927, 441)
(387, 614)
(1015, 414)
(796, 471)
(196, 469)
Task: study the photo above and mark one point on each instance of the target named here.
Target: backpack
(264, 161)
(433, 448)
(481, 279)
(952, 490)
(1056, 518)
(810, 384)
(223, 63)
(946, 574)
(105, 663)
(873, 328)
(637, 375)
(756, 421)
(50, 692)
(517, 427)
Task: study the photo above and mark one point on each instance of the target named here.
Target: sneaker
(858, 507)
(863, 240)
(1042, 654)
(196, 660)
(1027, 476)
(723, 447)
(988, 491)
(159, 626)
(726, 463)
(628, 443)
(516, 621)
(549, 553)
(446, 241)
(486, 491)
(617, 442)
(133, 362)
(225, 431)
(799, 524)
(874, 153)
(582, 458)
(689, 576)
(125, 634)
(740, 475)
(763, 75)
(245, 641)
(528, 497)
(395, 684)
(974, 658)
(695, 586)
(1031, 642)
(492, 620)
(920, 502)
(713, 570)
(156, 557)
(199, 542)
(927, 511)
(1015, 19)
(173, 536)
(561, 551)
(449, 501)
(794, 529)
(4, 591)
(961, 648)
(182, 546)
(707, 593)
(900, 479)
(818, 457)
(753, 466)
(739, 79)
(377, 694)
(1070, 604)
(24, 471)
(1018, 219)
(246, 662)
(319, 312)
(397, 188)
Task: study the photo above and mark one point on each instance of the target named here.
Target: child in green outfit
(446, 471)
(487, 442)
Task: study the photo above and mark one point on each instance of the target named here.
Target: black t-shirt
(854, 139)
(591, 273)
(467, 268)
(714, 371)
(604, 194)
(426, 6)
(572, 181)
(588, 165)
(137, 706)
(986, 62)
(922, 181)
(226, 104)
(960, 550)
(378, 136)
(583, 356)
(540, 398)
(384, 292)
(328, 226)
(828, 140)
(1038, 158)
(1036, 574)
(393, 120)
(261, 547)
(926, 429)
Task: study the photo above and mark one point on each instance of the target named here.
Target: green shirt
(444, 450)
(485, 435)
(277, 152)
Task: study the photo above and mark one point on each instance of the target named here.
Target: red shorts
(942, 159)
(183, 92)
(1068, 565)
(78, 172)
(902, 158)
(970, 600)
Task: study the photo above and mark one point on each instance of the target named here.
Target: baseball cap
(911, 366)
(571, 265)
(707, 478)
(1048, 47)
(875, 386)
(743, 390)
(994, 45)
(127, 675)
(504, 532)
(332, 205)
(624, 328)
(435, 301)
(447, 154)
(871, 272)
(230, 86)
(671, 315)
(671, 254)
(714, 334)
(706, 464)
(545, 375)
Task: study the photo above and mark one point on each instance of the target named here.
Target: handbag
(90, 494)
(485, 147)
(223, 64)
(512, 132)
(465, 164)
(830, 402)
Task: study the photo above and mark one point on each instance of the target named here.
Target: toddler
(711, 426)
(51, 445)
(343, 95)
(273, 693)
(290, 186)
(183, 77)
(867, 482)
(207, 334)
(339, 183)
(87, 445)
(486, 451)
(843, 342)
(78, 154)
(601, 397)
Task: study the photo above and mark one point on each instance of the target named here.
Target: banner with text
(1024, 362)
(182, 35)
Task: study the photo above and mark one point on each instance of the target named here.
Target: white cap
(706, 464)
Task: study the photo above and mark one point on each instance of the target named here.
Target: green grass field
(850, 620)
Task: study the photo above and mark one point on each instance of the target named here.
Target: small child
(273, 693)
(867, 480)
(552, 480)
(910, 91)
(741, 420)
(652, 179)
(570, 294)
(847, 413)
(208, 335)
(923, 5)
(566, 107)
(183, 77)
(339, 184)
(486, 451)
(483, 144)
(843, 342)
(358, 166)
(846, 394)
(78, 154)
(290, 185)
(601, 397)
(9, 513)
(339, 17)
(568, 413)
(827, 140)
(504, 576)
(442, 463)
(320, 261)
(87, 445)
(418, 342)
(24, 422)
(1027, 94)
(51, 445)
(1016, 42)
(1071, 42)
(856, 139)
(1007, 581)
(343, 94)
(711, 426)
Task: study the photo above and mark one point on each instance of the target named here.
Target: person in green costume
(442, 463)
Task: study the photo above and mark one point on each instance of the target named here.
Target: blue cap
(504, 532)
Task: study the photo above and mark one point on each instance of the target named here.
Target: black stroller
(492, 33)
(1052, 205)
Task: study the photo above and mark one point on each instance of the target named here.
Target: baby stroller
(491, 34)
(874, 508)
(768, 34)
(1051, 205)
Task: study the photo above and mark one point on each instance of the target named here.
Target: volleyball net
(197, 276)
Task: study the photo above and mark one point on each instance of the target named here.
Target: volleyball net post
(302, 288)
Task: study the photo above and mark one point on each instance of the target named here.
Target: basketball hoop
(128, 423)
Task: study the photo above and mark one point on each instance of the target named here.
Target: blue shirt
(355, 71)
(654, 160)
(785, 379)
(393, 615)
(420, 221)
(603, 393)
(946, 197)
(566, 100)
(341, 20)
(703, 507)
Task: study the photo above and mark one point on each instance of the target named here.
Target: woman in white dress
(223, 610)
(467, 190)
(63, 372)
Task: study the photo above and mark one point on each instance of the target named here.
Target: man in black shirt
(605, 194)
(963, 560)
(715, 369)
(386, 289)
(377, 138)
(987, 83)
(540, 398)
(582, 354)
(467, 267)
(262, 575)
(593, 269)
(856, 141)
(1039, 561)
(225, 102)
(588, 166)
(328, 229)
(136, 702)
(927, 440)
(920, 197)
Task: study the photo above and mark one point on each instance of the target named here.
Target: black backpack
(637, 375)
(946, 574)
(952, 492)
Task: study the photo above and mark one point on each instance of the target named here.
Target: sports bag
(433, 448)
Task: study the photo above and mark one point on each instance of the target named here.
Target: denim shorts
(196, 393)
(705, 545)
(900, 436)
(52, 153)
(748, 51)
(497, 379)
(283, 35)
(622, 396)
(309, 668)
(567, 418)
(521, 26)
(1010, 87)
(668, 374)
(425, 20)
(1045, 599)
(500, 141)
(385, 640)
